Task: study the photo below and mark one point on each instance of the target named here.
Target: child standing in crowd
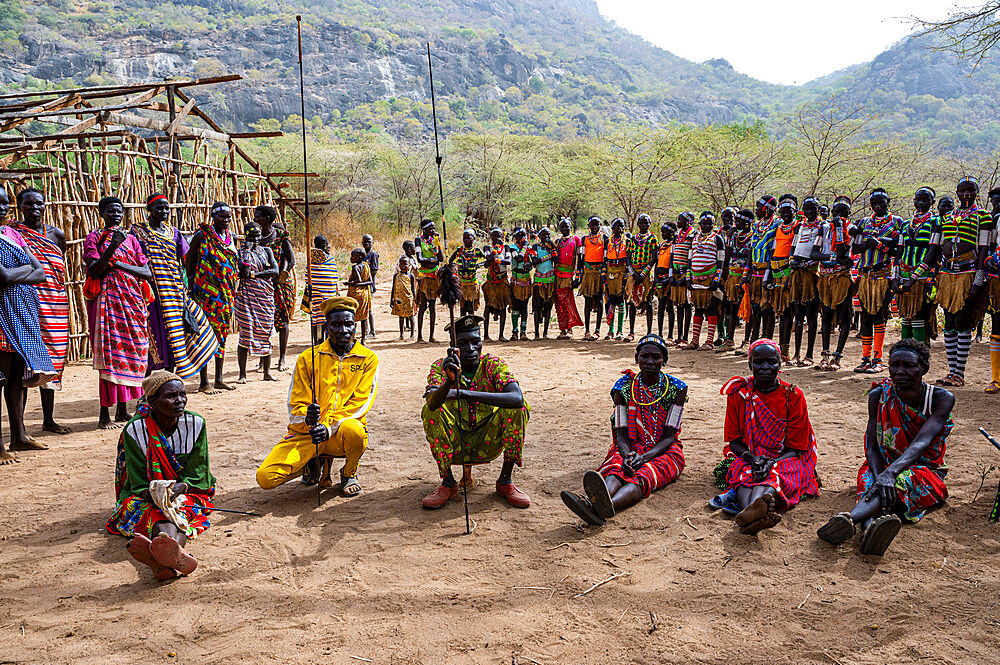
(410, 253)
(401, 297)
(358, 288)
(371, 258)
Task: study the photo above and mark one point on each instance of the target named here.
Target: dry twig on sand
(803, 601)
(832, 657)
(602, 583)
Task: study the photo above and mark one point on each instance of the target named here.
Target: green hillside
(553, 67)
(547, 67)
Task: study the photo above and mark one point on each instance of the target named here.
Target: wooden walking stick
(305, 194)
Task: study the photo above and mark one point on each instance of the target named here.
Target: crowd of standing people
(801, 270)
(160, 307)
(154, 298)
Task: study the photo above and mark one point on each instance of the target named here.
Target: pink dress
(119, 322)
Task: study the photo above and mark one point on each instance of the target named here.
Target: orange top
(783, 243)
(593, 249)
(616, 249)
(666, 252)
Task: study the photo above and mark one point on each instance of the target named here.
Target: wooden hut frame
(128, 141)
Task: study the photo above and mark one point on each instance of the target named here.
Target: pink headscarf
(764, 341)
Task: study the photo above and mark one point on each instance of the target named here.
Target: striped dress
(285, 284)
(19, 329)
(215, 282)
(255, 306)
(118, 319)
(324, 283)
(646, 424)
(180, 350)
(769, 423)
(53, 313)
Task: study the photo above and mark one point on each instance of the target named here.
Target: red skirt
(791, 478)
(566, 311)
(654, 474)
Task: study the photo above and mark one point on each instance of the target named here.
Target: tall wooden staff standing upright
(305, 194)
(449, 293)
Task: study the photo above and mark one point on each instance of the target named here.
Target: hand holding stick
(449, 292)
(305, 194)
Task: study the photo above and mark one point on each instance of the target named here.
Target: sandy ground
(377, 579)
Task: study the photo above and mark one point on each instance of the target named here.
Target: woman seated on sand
(646, 452)
(769, 460)
(162, 479)
(903, 474)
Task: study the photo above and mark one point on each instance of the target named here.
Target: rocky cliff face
(346, 66)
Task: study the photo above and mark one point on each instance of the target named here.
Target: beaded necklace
(918, 220)
(638, 385)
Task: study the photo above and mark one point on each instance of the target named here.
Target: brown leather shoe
(514, 496)
(440, 496)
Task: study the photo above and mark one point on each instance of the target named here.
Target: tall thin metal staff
(437, 148)
(449, 292)
(305, 193)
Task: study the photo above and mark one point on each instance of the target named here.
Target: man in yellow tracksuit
(331, 422)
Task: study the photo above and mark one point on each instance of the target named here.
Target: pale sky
(780, 41)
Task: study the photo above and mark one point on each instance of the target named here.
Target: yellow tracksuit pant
(287, 459)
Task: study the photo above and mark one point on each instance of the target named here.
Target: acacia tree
(484, 169)
(735, 163)
(984, 167)
(831, 141)
(407, 183)
(557, 182)
(636, 166)
(349, 175)
(890, 164)
(969, 32)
